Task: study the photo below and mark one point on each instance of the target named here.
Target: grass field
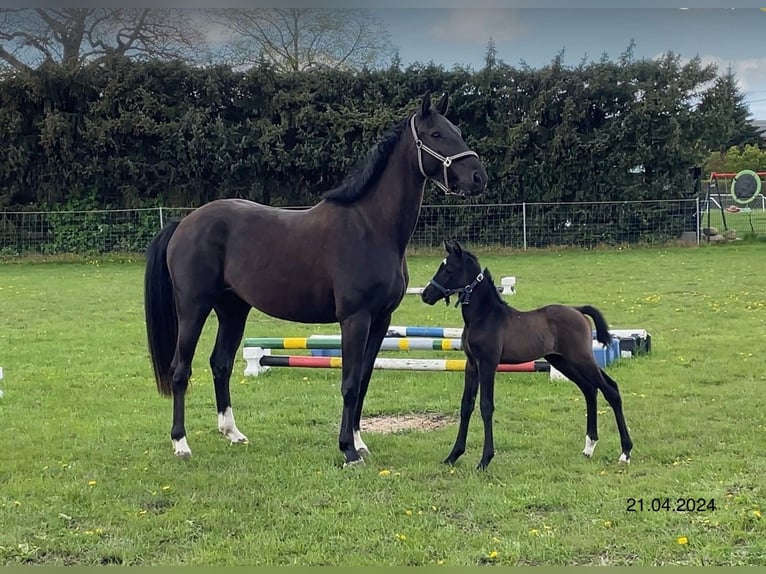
(87, 474)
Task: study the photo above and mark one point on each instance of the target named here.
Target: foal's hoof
(624, 458)
(351, 463)
(181, 449)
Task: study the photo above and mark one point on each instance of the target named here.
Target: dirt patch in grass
(411, 421)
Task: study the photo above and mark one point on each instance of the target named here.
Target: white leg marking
(624, 458)
(590, 445)
(359, 445)
(228, 428)
(181, 448)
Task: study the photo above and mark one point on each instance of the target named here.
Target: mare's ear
(457, 249)
(447, 246)
(441, 106)
(425, 107)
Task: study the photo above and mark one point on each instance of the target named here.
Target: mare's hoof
(183, 454)
(587, 454)
(624, 458)
(363, 452)
(357, 462)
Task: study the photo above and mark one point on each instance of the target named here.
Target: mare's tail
(602, 329)
(160, 308)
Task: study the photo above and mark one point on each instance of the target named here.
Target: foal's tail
(602, 329)
(160, 308)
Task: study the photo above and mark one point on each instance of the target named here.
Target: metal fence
(517, 226)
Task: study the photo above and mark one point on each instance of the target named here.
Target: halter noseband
(464, 293)
(446, 161)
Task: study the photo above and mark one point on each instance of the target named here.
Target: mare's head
(443, 155)
(459, 273)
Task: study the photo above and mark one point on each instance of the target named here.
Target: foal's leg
(354, 333)
(470, 388)
(190, 323)
(611, 392)
(591, 396)
(487, 408)
(378, 332)
(232, 316)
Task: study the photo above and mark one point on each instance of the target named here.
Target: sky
(450, 36)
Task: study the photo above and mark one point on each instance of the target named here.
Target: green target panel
(745, 186)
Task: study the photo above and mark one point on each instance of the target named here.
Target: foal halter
(446, 161)
(464, 293)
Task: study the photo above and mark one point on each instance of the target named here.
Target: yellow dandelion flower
(682, 540)
(401, 537)
(602, 472)
(440, 562)
(166, 487)
(608, 523)
(757, 513)
(91, 483)
(408, 512)
(534, 532)
(492, 555)
(384, 472)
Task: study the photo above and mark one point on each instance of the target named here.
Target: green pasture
(87, 473)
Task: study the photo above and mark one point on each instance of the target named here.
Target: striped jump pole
(260, 360)
(436, 332)
(334, 342)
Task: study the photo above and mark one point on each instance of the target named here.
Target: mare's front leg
(487, 407)
(378, 332)
(355, 331)
(470, 388)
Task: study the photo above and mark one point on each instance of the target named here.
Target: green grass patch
(87, 474)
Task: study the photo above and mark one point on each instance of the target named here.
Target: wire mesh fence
(517, 226)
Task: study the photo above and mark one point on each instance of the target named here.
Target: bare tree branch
(300, 38)
(79, 36)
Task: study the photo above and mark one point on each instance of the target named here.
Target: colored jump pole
(260, 360)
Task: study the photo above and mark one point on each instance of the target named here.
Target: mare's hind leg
(378, 332)
(591, 396)
(190, 325)
(232, 316)
(611, 393)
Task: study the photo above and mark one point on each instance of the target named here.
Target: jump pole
(260, 360)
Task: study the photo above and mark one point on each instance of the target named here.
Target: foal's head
(459, 273)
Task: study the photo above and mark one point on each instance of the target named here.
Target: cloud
(477, 26)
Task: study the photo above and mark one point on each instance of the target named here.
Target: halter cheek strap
(464, 293)
(446, 161)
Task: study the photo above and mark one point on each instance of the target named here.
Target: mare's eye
(436, 135)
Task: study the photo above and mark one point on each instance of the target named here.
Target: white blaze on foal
(228, 428)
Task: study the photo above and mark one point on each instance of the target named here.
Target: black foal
(494, 333)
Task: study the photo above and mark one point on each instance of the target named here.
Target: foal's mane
(358, 183)
(493, 293)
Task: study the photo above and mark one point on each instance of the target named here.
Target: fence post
(697, 200)
(524, 222)
(162, 219)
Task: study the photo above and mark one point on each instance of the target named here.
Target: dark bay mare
(494, 332)
(342, 261)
